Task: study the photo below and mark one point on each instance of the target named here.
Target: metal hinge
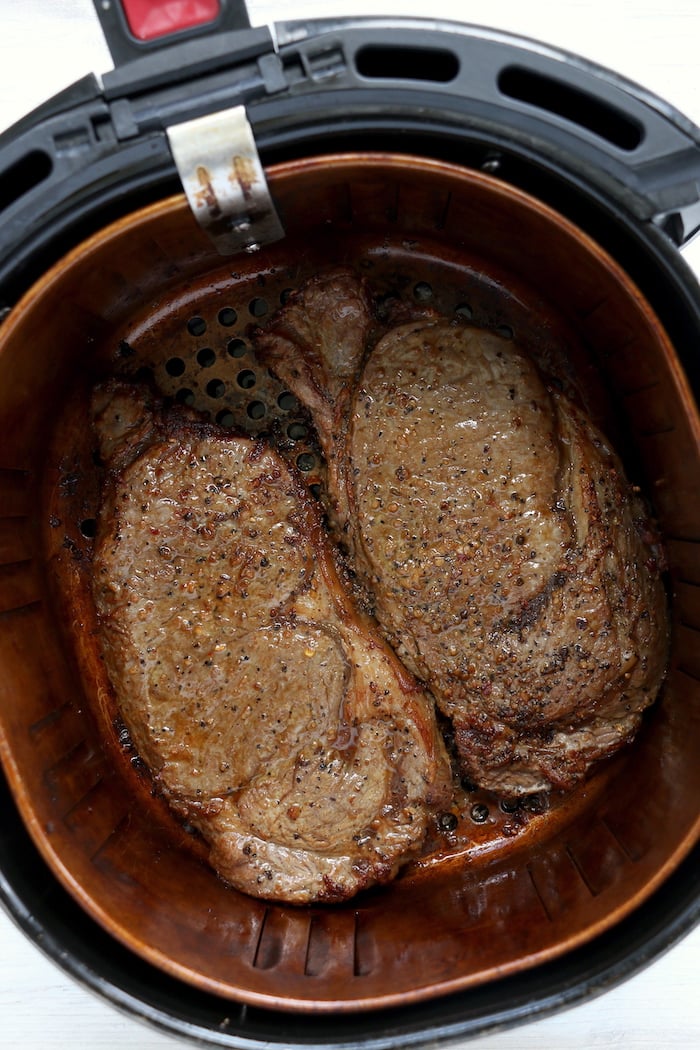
(218, 163)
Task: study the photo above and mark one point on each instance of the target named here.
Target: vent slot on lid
(23, 176)
(579, 107)
(391, 62)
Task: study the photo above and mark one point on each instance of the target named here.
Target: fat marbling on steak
(510, 562)
(272, 715)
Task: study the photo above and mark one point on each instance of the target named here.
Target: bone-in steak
(493, 526)
(273, 716)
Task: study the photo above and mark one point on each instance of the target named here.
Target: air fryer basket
(147, 297)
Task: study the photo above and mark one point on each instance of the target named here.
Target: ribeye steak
(272, 715)
(506, 553)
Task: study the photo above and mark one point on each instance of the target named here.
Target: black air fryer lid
(583, 139)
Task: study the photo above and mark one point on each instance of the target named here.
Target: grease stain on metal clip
(222, 175)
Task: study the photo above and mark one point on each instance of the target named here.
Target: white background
(46, 45)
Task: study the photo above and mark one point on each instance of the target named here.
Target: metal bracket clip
(221, 173)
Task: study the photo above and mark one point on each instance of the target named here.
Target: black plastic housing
(544, 120)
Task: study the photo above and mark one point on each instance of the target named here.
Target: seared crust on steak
(272, 715)
(507, 555)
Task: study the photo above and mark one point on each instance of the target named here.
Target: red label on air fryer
(150, 19)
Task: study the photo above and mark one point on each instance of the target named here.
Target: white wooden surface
(47, 44)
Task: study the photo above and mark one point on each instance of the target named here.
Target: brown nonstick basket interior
(148, 297)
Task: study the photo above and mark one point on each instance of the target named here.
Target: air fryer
(499, 179)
